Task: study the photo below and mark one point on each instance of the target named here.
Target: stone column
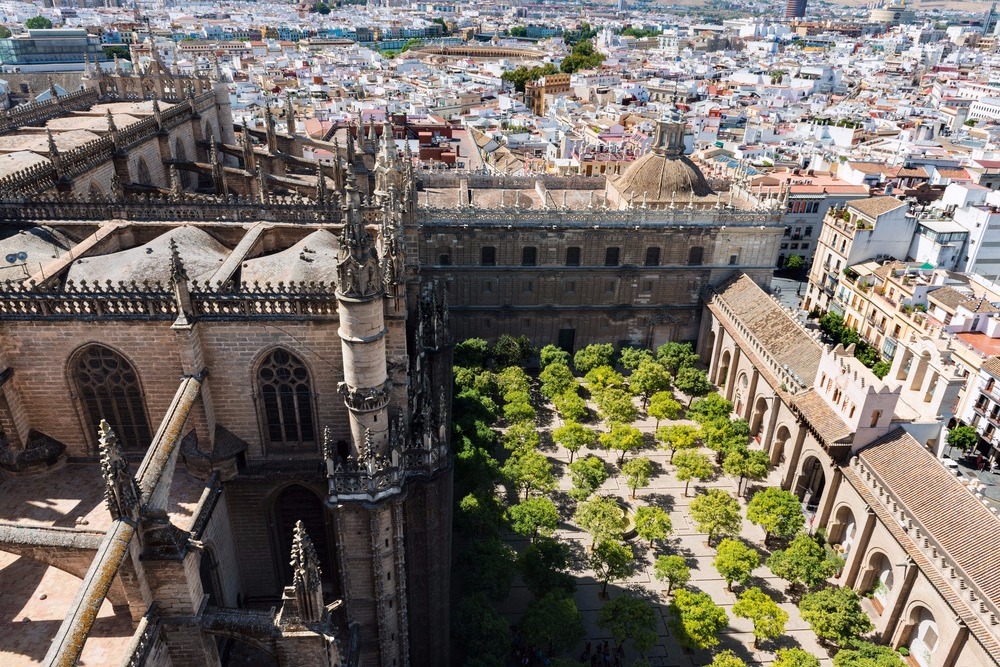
(858, 551)
(894, 607)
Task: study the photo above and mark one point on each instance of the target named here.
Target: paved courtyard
(665, 491)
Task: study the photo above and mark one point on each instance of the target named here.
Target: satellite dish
(11, 258)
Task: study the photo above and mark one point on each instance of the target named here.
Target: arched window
(108, 387)
(142, 173)
(286, 397)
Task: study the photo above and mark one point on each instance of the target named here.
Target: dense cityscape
(393, 333)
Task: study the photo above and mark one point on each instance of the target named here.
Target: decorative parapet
(36, 113)
(370, 477)
(144, 639)
(959, 584)
(594, 218)
(156, 301)
(365, 400)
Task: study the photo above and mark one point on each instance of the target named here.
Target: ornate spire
(272, 138)
(306, 577)
(113, 131)
(121, 493)
(263, 196)
(175, 181)
(357, 268)
(249, 159)
(54, 156)
(179, 279)
(156, 114)
(321, 192)
(290, 116)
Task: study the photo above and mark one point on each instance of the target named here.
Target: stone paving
(664, 490)
(34, 598)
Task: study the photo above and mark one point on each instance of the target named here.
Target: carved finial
(121, 493)
(306, 591)
(177, 271)
(156, 114)
(175, 181)
(290, 116)
(321, 192)
(369, 451)
(54, 156)
(272, 138)
(329, 449)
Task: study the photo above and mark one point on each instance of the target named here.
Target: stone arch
(921, 634)
(180, 155)
(108, 387)
(879, 578)
(918, 374)
(295, 502)
(740, 392)
(781, 436)
(757, 420)
(95, 191)
(843, 531)
(285, 400)
(708, 351)
(811, 483)
(724, 363)
(142, 173)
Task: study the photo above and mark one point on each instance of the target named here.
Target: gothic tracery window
(286, 397)
(109, 389)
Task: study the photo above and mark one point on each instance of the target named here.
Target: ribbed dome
(655, 178)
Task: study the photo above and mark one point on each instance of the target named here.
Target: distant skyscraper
(795, 9)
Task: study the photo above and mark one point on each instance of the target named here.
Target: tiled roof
(821, 417)
(946, 511)
(949, 297)
(876, 206)
(783, 338)
(992, 366)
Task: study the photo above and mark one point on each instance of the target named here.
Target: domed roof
(657, 178)
(663, 173)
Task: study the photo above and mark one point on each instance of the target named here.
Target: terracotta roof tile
(822, 418)
(947, 511)
(783, 338)
(876, 206)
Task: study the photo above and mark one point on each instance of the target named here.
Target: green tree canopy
(513, 379)
(735, 561)
(611, 560)
(522, 75)
(602, 517)
(631, 357)
(481, 629)
(767, 617)
(543, 566)
(511, 350)
(652, 523)
(592, 356)
(556, 378)
(696, 619)
(726, 435)
(552, 621)
(865, 654)
(672, 569)
(692, 465)
(795, 263)
(472, 352)
(38, 23)
(478, 515)
(588, 474)
(678, 437)
(602, 378)
(835, 615)
(533, 516)
(4, 32)
(583, 57)
(795, 657)
(571, 405)
(521, 437)
(805, 560)
(692, 382)
(574, 436)
(709, 409)
(629, 617)
(727, 659)
(551, 354)
(616, 406)
(663, 405)
(649, 378)
(488, 567)
(716, 513)
(675, 356)
(519, 411)
(746, 464)
(637, 473)
(963, 437)
(529, 470)
(622, 438)
(777, 511)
